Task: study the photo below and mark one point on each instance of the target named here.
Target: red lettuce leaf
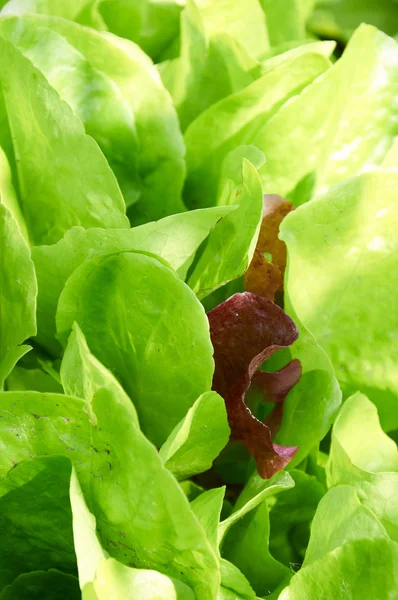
(263, 277)
(246, 330)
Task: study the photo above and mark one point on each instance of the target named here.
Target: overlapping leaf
(332, 145)
(264, 276)
(175, 238)
(370, 465)
(53, 140)
(18, 290)
(148, 328)
(246, 330)
(115, 91)
(101, 437)
(228, 250)
(198, 439)
(238, 120)
(206, 48)
(342, 250)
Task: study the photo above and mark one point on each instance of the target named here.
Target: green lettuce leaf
(105, 445)
(36, 518)
(190, 77)
(228, 250)
(256, 490)
(245, 22)
(233, 583)
(198, 439)
(342, 256)
(115, 580)
(245, 534)
(207, 508)
(42, 585)
(227, 594)
(88, 549)
(391, 158)
(191, 489)
(332, 145)
(247, 546)
(353, 571)
(18, 290)
(147, 326)
(153, 25)
(342, 557)
(312, 404)
(230, 185)
(339, 519)
(98, 76)
(82, 375)
(325, 48)
(363, 456)
(37, 379)
(7, 188)
(290, 517)
(101, 577)
(239, 120)
(286, 21)
(175, 238)
(35, 371)
(339, 18)
(53, 139)
(82, 11)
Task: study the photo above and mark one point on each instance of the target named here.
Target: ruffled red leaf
(246, 330)
(263, 277)
(275, 387)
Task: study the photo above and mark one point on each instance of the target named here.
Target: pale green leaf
(205, 51)
(359, 569)
(253, 494)
(18, 290)
(246, 545)
(234, 582)
(341, 518)
(87, 547)
(334, 140)
(105, 447)
(228, 250)
(114, 580)
(98, 76)
(391, 158)
(152, 24)
(175, 238)
(311, 406)
(84, 190)
(207, 508)
(147, 326)
(238, 120)
(286, 19)
(36, 379)
(343, 257)
(244, 21)
(362, 455)
(198, 439)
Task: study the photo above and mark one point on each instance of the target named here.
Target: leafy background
(137, 138)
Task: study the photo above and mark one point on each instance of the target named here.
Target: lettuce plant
(198, 324)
